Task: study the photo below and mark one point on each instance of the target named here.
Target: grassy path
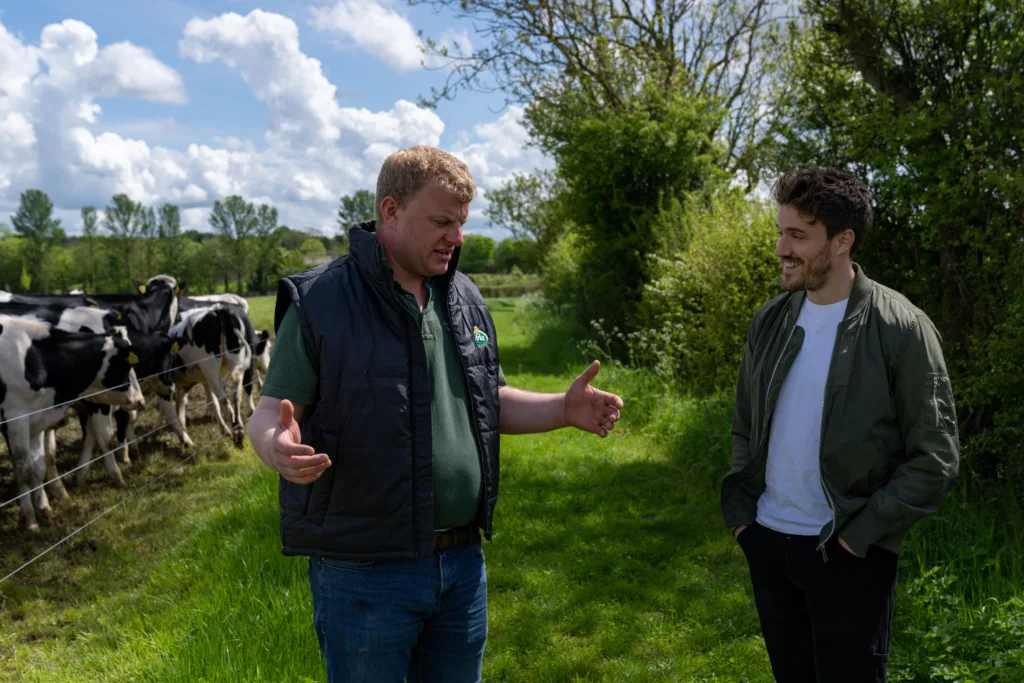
(609, 563)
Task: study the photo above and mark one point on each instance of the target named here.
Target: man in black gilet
(382, 410)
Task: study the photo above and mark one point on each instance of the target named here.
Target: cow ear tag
(175, 348)
(142, 289)
(132, 358)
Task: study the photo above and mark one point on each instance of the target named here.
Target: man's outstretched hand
(590, 409)
(294, 460)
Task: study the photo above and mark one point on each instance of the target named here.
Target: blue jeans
(423, 621)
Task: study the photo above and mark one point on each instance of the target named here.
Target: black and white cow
(71, 319)
(214, 351)
(262, 353)
(42, 369)
(150, 312)
(100, 424)
(223, 299)
(154, 309)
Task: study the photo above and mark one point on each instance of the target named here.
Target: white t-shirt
(793, 501)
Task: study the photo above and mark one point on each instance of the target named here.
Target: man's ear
(844, 241)
(389, 212)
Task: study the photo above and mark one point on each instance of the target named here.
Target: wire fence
(125, 499)
(112, 451)
(240, 394)
(119, 386)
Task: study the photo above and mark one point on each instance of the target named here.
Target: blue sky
(291, 103)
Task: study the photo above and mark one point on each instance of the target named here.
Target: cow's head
(117, 380)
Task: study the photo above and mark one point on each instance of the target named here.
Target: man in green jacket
(844, 435)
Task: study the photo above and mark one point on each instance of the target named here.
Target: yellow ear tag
(175, 348)
(132, 358)
(142, 289)
(94, 306)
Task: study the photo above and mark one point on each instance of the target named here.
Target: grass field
(609, 561)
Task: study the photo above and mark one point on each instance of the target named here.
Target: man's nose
(455, 236)
(781, 249)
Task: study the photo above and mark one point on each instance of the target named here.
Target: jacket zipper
(821, 445)
(472, 421)
(935, 399)
(771, 379)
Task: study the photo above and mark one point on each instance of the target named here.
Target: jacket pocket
(365, 482)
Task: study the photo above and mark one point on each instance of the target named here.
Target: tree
(34, 221)
(527, 206)
(171, 240)
(943, 81)
(604, 52)
(515, 253)
(148, 233)
(91, 247)
(268, 248)
(476, 254)
(356, 208)
(123, 220)
(235, 220)
(312, 249)
(620, 170)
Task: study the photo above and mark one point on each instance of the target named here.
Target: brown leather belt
(453, 538)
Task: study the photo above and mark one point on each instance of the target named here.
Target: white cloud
(374, 27)
(52, 133)
(377, 28)
(499, 150)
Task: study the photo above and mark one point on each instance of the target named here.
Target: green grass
(609, 561)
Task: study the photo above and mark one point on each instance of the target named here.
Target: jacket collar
(371, 259)
(860, 295)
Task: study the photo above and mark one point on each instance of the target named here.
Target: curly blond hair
(405, 172)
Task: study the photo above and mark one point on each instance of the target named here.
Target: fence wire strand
(113, 507)
(140, 380)
(114, 450)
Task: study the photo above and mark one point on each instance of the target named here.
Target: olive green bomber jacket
(890, 447)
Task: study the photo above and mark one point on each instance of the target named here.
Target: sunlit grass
(610, 561)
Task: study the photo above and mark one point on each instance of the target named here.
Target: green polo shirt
(458, 482)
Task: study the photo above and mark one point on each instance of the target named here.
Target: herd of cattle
(102, 355)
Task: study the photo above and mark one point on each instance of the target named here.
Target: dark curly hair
(828, 196)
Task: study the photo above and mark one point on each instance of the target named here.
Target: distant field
(261, 312)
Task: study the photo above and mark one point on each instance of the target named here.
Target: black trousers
(824, 621)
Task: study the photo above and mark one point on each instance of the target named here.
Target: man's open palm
(294, 460)
(590, 409)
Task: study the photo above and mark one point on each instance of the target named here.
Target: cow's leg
(257, 380)
(247, 386)
(236, 389)
(101, 436)
(88, 442)
(183, 408)
(56, 486)
(212, 407)
(115, 437)
(218, 395)
(125, 420)
(166, 407)
(19, 443)
(40, 500)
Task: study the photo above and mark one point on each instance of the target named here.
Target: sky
(284, 102)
